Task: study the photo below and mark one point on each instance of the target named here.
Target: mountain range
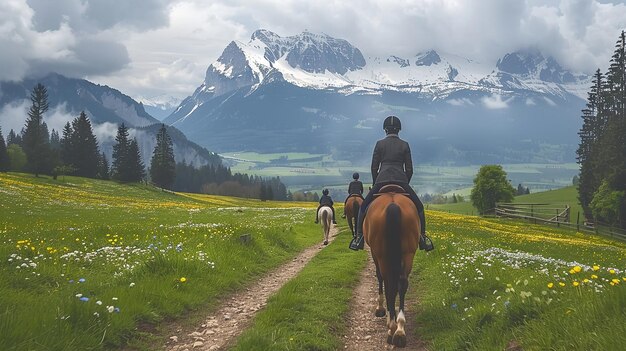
(312, 92)
(106, 107)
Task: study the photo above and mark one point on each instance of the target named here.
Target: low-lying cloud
(495, 102)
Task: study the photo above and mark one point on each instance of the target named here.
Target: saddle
(391, 188)
(355, 195)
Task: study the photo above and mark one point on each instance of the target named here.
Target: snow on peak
(319, 61)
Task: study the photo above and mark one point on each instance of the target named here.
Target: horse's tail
(394, 249)
(324, 217)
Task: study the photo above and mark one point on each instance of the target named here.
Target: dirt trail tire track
(221, 328)
(367, 332)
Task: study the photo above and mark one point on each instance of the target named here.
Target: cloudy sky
(147, 48)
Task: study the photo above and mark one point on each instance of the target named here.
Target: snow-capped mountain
(297, 84)
(159, 106)
(106, 108)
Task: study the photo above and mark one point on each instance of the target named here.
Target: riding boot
(334, 221)
(425, 242)
(358, 242)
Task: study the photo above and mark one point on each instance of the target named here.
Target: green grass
(486, 287)
(126, 246)
(308, 312)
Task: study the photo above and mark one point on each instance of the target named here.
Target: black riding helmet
(355, 175)
(392, 123)
(325, 191)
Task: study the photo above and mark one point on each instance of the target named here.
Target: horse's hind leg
(380, 309)
(399, 337)
(391, 290)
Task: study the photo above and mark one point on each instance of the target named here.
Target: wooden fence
(555, 214)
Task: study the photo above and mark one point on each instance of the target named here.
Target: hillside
(567, 195)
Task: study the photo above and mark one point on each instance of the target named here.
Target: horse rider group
(391, 164)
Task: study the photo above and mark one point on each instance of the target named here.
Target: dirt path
(367, 332)
(220, 329)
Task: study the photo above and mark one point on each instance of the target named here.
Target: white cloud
(105, 132)
(460, 102)
(151, 47)
(13, 116)
(57, 117)
(495, 102)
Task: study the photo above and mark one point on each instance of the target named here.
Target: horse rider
(392, 164)
(354, 189)
(325, 200)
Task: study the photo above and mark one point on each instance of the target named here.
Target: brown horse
(392, 231)
(353, 205)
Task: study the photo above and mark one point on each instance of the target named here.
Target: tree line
(602, 149)
(76, 152)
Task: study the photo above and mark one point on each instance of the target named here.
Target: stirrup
(425, 243)
(357, 243)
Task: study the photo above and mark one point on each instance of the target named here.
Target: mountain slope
(312, 92)
(106, 107)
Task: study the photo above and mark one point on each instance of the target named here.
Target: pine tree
(12, 138)
(35, 138)
(84, 147)
(602, 150)
(103, 167)
(119, 167)
(594, 124)
(5, 163)
(55, 140)
(163, 165)
(137, 170)
(67, 145)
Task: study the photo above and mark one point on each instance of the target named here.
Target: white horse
(325, 213)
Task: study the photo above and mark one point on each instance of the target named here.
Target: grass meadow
(83, 262)
(493, 284)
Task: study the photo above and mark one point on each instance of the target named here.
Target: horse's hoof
(399, 339)
(390, 339)
(325, 242)
(380, 312)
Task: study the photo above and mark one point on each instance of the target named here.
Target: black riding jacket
(355, 187)
(325, 200)
(391, 161)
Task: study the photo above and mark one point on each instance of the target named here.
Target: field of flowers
(84, 262)
(493, 285)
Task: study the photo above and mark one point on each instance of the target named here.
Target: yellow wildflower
(612, 271)
(183, 279)
(586, 280)
(596, 268)
(593, 276)
(550, 285)
(561, 284)
(575, 283)
(577, 269)
(615, 281)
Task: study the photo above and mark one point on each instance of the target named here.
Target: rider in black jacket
(325, 200)
(355, 188)
(392, 164)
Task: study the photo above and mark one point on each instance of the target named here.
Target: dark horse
(353, 205)
(391, 230)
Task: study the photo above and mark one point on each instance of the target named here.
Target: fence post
(557, 218)
(532, 213)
